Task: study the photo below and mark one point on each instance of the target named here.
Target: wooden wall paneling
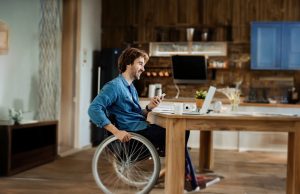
(285, 8)
(251, 10)
(207, 9)
(271, 10)
(219, 12)
(161, 20)
(217, 16)
(244, 33)
(189, 12)
(153, 20)
(147, 20)
(113, 12)
(291, 10)
(251, 13)
(182, 11)
(236, 20)
(222, 12)
(165, 12)
(162, 24)
(195, 15)
(130, 34)
(295, 10)
(132, 8)
(113, 37)
(170, 12)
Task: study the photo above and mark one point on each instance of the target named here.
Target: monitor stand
(178, 91)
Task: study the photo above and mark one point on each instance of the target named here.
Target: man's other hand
(123, 136)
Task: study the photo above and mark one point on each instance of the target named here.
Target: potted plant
(200, 96)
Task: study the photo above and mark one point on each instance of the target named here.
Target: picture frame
(3, 38)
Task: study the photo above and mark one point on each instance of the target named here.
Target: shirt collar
(124, 81)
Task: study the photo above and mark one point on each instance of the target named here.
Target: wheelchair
(131, 167)
(126, 167)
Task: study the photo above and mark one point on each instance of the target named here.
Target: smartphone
(162, 96)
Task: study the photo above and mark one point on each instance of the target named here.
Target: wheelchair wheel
(130, 167)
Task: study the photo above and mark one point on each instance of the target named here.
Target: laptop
(206, 103)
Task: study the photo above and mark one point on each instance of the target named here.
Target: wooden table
(175, 137)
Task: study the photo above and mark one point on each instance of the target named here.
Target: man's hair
(128, 56)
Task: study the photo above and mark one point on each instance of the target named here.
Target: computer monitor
(189, 69)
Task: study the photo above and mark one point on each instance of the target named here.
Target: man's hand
(154, 102)
(123, 136)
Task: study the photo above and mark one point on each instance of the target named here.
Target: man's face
(137, 68)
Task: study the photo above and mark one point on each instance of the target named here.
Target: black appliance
(105, 68)
(189, 69)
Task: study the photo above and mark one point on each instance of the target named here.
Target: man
(120, 99)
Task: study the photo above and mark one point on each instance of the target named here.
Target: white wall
(19, 68)
(90, 41)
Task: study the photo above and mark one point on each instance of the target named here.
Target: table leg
(293, 164)
(175, 156)
(297, 161)
(206, 151)
(290, 184)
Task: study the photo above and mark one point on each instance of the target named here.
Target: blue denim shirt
(120, 99)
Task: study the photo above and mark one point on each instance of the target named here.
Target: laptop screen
(208, 99)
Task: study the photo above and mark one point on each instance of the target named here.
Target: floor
(243, 172)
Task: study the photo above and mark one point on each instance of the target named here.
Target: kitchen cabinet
(275, 45)
(25, 146)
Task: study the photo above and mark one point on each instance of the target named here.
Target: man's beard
(138, 75)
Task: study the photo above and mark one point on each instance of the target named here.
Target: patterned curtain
(49, 60)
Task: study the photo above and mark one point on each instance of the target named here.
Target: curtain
(49, 60)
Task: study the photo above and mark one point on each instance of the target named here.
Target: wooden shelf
(27, 145)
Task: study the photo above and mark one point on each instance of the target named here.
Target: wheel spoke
(130, 167)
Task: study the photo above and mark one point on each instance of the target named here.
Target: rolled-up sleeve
(98, 107)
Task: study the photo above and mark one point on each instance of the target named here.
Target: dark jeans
(157, 136)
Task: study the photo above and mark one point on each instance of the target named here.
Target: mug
(217, 106)
(151, 91)
(178, 108)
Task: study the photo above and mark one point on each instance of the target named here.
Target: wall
(167, 21)
(90, 41)
(19, 68)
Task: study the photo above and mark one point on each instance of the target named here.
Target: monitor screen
(189, 69)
